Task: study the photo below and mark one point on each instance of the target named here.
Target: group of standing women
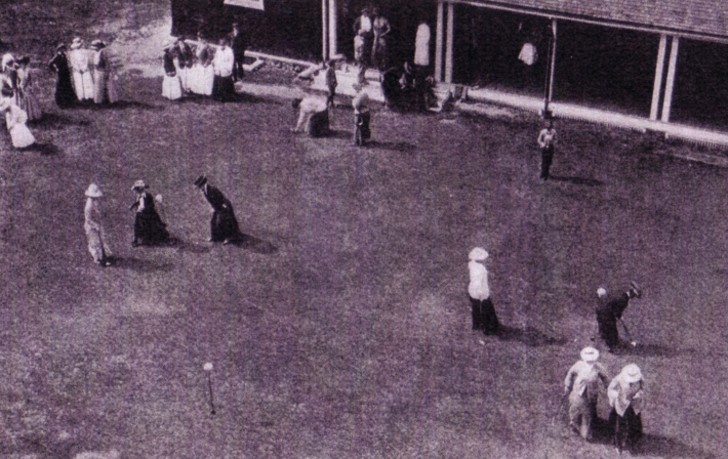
(200, 68)
(18, 101)
(84, 75)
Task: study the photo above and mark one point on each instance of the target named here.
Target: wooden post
(324, 31)
(449, 44)
(333, 29)
(670, 85)
(439, 30)
(659, 73)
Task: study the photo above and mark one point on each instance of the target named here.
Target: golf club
(208, 369)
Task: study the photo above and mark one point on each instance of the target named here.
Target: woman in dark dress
(149, 229)
(65, 95)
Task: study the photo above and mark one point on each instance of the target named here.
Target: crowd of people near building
(201, 68)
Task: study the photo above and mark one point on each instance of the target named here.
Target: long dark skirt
(484, 316)
(65, 94)
(149, 229)
(223, 89)
(627, 428)
(224, 225)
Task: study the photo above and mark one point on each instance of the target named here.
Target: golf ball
(207, 366)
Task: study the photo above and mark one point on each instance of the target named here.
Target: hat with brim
(478, 254)
(98, 44)
(93, 191)
(589, 354)
(200, 181)
(139, 185)
(60, 46)
(632, 373)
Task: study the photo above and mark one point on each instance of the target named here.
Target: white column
(439, 30)
(552, 67)
(324, 31)
(449, 44)
(659, 73)
(333, 29)
(670, 85)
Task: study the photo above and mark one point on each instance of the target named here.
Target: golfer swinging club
(609, 310)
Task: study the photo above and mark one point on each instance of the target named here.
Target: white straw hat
(589, 354)
(632, 373)
(93, 191)
(478, 254)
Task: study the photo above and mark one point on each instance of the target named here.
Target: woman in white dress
(203, 74)
(83, 81)
(95, 234)
(15, 118)
(104, 78)
(171, 85)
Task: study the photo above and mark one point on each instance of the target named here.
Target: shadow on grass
(655, 445)
(128, 104)
(529, 336)
(255, 245)
(58, 120)
(47, 149)
(393, 146)
(576, 180)
(135, 264)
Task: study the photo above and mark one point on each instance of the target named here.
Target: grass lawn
(341, 328)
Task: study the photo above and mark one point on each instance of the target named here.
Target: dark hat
(139, 185)
(200, 181)
(98, 44)
(60, 46)
(24, 60)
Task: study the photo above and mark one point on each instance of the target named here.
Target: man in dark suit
(609, 310)
(223, 225)
(238, 44)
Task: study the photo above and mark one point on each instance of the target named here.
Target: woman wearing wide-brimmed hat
(65, 94)
(627, 398)
(484, 317)
(105, 91)
(149, 229)
(83, 81)
(582, 383)
(95, 235)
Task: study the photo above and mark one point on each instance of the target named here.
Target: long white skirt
(84, 85)
(21, 136)
(171, 87)
(183, 74)
(201, 79)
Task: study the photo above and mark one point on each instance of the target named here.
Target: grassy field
(340, 328)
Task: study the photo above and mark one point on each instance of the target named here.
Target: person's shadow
(252, 243)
